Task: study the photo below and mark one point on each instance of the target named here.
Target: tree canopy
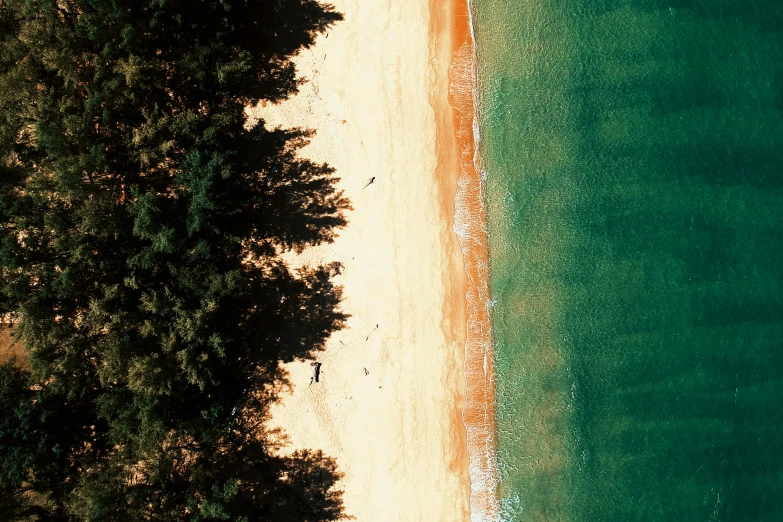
(142, 219)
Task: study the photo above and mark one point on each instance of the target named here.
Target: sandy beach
(390, 400)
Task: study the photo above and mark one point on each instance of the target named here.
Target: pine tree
(143, 218)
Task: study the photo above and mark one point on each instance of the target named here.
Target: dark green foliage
(141, 221)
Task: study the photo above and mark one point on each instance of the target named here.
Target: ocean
(633, 154)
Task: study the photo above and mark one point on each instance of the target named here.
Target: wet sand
(471, 229)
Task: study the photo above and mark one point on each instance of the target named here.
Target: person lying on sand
(316, 372)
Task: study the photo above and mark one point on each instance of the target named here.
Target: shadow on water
(676, 321)
(640, 162)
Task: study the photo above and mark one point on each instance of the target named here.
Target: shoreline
(447, 172)
(389, 408)
(471, 228)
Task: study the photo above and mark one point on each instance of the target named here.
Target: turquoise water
(634, 159)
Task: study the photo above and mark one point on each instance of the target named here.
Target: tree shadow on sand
(282, 485)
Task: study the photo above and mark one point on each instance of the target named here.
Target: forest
(142, 222)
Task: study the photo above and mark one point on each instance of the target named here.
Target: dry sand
(378, 97)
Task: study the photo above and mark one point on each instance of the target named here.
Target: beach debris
(369, 334)
(372, 179)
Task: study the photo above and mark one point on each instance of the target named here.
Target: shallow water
(634, 159)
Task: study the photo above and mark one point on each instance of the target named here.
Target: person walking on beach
(369, 183)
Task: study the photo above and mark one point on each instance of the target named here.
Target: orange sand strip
(447, 172)
(471, 227)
